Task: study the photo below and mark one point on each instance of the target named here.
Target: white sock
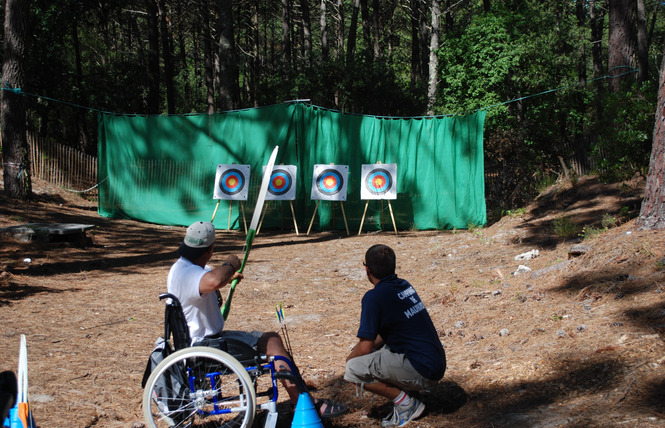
(402, 399)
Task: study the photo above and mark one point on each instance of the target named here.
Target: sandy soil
(577, 341)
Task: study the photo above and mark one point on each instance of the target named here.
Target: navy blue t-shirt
(393, 310)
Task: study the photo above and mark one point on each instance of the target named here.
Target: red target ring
(330, 182)
(280, 182)
(379, 181)
(232, 182)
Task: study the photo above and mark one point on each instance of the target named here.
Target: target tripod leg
(314, 215)
(341, 204)
(244, 220)
(263, 214)
(230, 209)
(214, 213)
(390, 207)
(381, 216)
(362, 220)
(293, 213)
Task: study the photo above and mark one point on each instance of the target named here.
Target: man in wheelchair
(197, 285)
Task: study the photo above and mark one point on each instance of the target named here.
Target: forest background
(569, 86)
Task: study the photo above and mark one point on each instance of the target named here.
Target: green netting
(161, 169)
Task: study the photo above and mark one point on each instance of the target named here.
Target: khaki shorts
(387, 367)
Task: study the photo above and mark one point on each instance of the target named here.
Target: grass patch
(564, 228)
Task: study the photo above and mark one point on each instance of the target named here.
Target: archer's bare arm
(220, 276)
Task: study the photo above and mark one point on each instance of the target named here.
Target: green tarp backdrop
(161, 169)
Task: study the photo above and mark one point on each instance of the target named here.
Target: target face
(378, 181)
(329, 182)
(282, 184)
(232, 182)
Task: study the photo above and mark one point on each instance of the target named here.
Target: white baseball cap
(200, 235)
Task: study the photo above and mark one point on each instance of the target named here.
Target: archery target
(232, 182)
(379, 181)
(329, 182)
(282, 185)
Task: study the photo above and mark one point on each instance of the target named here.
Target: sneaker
(402, 415)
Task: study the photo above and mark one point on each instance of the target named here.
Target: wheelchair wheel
(199, 387)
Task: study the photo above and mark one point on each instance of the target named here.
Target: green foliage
(556, 317)
(545, 182)
(660, 265)
(515, 213)
(590, 232)
(564, 228)
(608, 221)
(625, 131)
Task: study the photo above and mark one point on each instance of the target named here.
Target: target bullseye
(329, 182)
(232, 182)
(378, 181)
(282, 183)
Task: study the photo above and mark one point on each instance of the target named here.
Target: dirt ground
(577, 341)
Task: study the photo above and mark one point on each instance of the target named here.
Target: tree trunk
(340, 30)
(208, 57)
(621, 46)
(596, 17)
(450, 23)
(229, 90)
(324, 32)
(580, 12)
(286, 33)
(167, 57)
(255, 59)
(433, 57)
(187, 89)
(367, 29)
(376, 31)
(306, 31)
(416, 70)
(15, 153)
(642, 44)
(351, 42)
(80, 116)
(652, 213)
(153, 99)
(580, 159)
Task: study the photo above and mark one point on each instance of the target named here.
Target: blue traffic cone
(305, 414)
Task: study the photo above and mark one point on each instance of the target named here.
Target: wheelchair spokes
(212, 390)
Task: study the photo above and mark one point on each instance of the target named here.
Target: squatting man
(398, 349)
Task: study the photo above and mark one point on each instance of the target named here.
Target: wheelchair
(209, 384)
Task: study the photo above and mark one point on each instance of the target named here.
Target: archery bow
(251, 233)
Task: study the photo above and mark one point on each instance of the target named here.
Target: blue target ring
(232, 182)
(330, 182)
(379, 181)
(280, 182)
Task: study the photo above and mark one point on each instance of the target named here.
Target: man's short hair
(380, 259)
(190, 253)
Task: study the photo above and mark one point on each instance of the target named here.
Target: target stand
(378, 182)
(390, 208)
(329, 183)
(293, 214)
(341, 204)
(242, 210)
(282, 187)
(232, 184)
